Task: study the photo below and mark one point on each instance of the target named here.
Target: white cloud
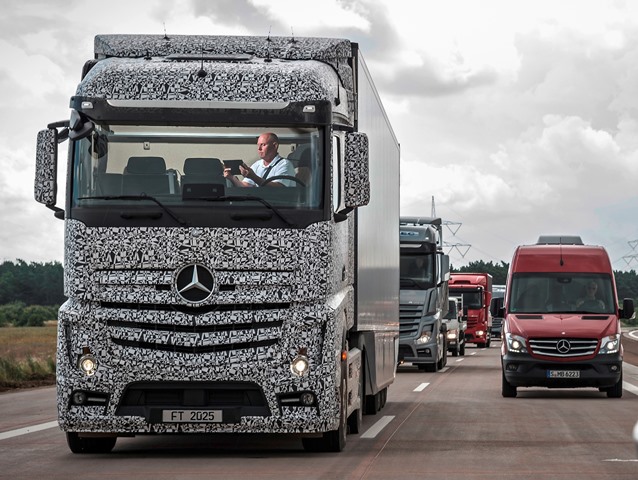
(520, 118)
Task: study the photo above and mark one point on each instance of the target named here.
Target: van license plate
(192, 416)
(563, 373)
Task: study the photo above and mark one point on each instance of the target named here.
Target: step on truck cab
(562, 319)
(423, 294)
(476, 291)
(197, 304)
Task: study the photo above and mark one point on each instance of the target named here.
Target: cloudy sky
(519, 117)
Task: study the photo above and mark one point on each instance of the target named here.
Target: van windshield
(561, 293)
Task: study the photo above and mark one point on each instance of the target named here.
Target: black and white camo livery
(267, 304)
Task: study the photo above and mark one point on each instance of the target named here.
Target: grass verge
(27, 356)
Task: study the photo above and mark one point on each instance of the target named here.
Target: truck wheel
(616, 390)
(79, 444)
(489, 340)
(334, 440)
(443, 362)
(507, 390)
(356, 418)
(455, 352)
(462, 350)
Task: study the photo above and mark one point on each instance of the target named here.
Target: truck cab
(562, 318)
(424, 275)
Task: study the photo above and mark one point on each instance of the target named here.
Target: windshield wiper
(140, 197)
(243, 198)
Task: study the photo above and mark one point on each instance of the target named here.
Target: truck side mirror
(46, 167)
(445, 268)
(497, 307)
(628, 309)
(356, 171)
(45, 187)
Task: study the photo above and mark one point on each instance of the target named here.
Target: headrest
(203, 166)
(146, 165)
(304, 158)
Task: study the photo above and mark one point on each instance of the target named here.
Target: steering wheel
(282, 177)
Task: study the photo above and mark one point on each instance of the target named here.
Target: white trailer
(195, 305)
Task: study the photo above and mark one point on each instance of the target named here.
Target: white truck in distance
(195, 305)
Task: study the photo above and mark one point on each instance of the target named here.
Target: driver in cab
(271, 166)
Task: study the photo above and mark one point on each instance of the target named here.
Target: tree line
(626, 282)
(30, 293)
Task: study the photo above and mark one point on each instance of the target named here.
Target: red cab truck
(476, 290)
(562, 319)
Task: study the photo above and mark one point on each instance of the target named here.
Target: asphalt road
(452, 424)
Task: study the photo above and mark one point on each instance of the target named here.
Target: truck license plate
(192, 416)
(563, 373)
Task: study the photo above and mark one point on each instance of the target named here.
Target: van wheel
(507, 390)
(616, 390)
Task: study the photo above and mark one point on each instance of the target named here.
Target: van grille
(563, 347)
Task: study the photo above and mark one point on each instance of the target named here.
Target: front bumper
(421, 354)
(523, 370)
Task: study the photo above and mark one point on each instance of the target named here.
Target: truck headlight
(424, 338)
(451, 335)
(610, 344)
(300, 365)
(515, 344)
(87, 364)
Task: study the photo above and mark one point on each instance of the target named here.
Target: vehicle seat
(146, 175)
(203, 170)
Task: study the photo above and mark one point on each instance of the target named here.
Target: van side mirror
(356, 171)
(628, 309)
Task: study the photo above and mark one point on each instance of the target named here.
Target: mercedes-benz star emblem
(563, 346)
(194, 283)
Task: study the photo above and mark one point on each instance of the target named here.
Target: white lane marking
(460, 359)
(444, 369)
(421, 387)
(25, 430)
(375, 429)
(630, 388)
(633, 334)
(620, 460)
(473, 353)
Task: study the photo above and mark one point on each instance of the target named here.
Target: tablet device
(233, 165)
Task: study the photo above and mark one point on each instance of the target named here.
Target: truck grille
(563, 347)
(409, 319)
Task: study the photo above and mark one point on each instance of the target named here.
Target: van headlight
(515, 344)
(610, 344)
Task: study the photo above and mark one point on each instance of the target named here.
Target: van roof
(547, 258)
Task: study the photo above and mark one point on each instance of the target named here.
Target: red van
(561, 318)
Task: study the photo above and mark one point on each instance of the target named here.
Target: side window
(336, 173)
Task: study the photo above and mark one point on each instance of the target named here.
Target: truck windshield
(417, 271)
(177, 165)
(472, 299)
(561, 293)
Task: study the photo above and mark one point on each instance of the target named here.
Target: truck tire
(507, 390)
(616, 390)
(443, 362)
(462, 349)
(79, 444)
(356, 418)
(333, 440)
